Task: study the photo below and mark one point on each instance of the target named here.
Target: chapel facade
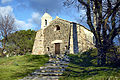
(58, 36)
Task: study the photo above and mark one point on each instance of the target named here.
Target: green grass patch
(17, 67)
(84, 67)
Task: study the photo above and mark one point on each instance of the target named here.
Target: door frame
(57, 48)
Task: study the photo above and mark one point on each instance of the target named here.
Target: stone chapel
(58, 36)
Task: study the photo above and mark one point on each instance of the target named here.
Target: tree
(103, 18)
(7, 26)
(20, 42)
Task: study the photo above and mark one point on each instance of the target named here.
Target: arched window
(57, 27)
(45, 22)
(48, 49)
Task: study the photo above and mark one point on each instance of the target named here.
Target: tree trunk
(3, 48)
(2, 54)
(101, 56)
(98, 57)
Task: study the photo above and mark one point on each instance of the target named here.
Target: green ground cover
(84, 67)
(17, 67)
(81, 67)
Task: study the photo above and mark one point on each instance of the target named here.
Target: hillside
(84, 67)
(17, 67)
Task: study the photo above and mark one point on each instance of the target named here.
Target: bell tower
(45, 20)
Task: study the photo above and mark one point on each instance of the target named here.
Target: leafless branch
(7, 25)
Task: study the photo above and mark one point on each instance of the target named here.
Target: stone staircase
(52, 70)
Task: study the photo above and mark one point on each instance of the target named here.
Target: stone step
(64, 63)
(40, 78)
(53, 61)
(48, 73)
(60, 59)
(60, 66)
(47, 78)
(66, 59)
(53, 77)
(53, 64)
(50, 70)
(54, 67)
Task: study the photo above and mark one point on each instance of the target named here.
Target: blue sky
(28, 13)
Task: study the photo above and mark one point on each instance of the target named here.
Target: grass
(81, 67)
(84, 67)
(17, 67)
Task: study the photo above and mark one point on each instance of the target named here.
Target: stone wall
(72, 36)
(51, 34)
(85, 38)
(38, 47)
(71, 40)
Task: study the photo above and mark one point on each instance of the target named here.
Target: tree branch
(114, 33)
(83, 3)
(109, 4)
(112, 11)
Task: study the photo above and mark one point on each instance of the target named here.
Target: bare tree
(103, 18)
(7, 25)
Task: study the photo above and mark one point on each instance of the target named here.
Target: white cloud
(5, 1)
(21, 25)
(36, 18)
(6, 10)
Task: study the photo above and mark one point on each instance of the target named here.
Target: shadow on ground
(85, 59)
(84, 66)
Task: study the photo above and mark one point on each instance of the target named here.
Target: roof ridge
(76, 23)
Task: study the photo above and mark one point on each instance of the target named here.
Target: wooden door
(57, 48)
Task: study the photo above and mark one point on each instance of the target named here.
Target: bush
(20, 42)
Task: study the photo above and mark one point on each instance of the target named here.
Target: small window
(57, 28)
(66, 47)
(48, 49)
(45, 22)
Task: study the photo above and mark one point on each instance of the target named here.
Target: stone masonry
(70, 36)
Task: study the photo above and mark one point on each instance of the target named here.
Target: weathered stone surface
(72, 37)
(38, 47)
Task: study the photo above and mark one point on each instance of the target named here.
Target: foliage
(84, 67)
(7, 26)
(113, 57)
(17, 67)
(20, 42)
